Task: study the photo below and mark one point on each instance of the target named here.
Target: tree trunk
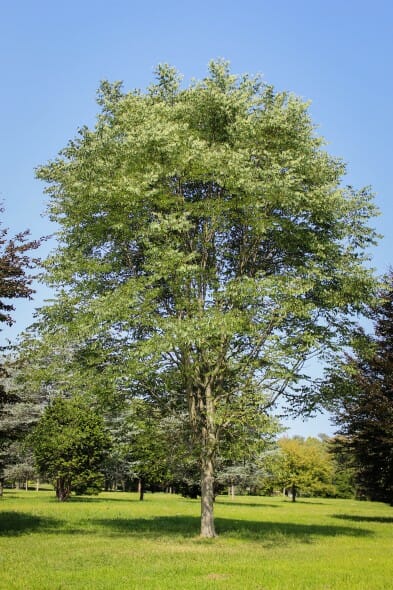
(37, 485)
(141, 489)
(63, 489)
(207, 498)
(207, 462)
(293, 492)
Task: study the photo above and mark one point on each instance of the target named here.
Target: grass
(115, 541)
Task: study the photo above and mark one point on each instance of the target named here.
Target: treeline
(81, 444)
(79, 449)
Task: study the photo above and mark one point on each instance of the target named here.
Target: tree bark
(141, 489)
(63, 489)
(207, 462)
(207, 498)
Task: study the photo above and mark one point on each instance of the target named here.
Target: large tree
(205, 235)
(365, 418)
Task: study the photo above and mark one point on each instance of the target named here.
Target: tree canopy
(70, 443)
(206, 249)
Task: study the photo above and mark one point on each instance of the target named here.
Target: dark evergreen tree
(365, 419)
(70, 443)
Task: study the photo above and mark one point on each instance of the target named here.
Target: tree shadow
(301, 501)
(239, 504)
(95, 499)
(360, 518)
(20, 523)
(269, 533)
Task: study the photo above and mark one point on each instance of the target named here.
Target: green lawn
(116, 542)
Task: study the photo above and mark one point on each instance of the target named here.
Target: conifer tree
(365, 419)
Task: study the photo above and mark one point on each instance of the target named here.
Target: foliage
(305, 464)
(141, 445)
(365, 419)
(20, 408)
(15, 262)
(70, 443)
(344, 469)
(206, 250)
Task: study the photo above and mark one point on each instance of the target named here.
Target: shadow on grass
(240, 504)
(95, 499)
(268, 533)
(360, 518)
(188, 526)
(20, 523)
(301, 501)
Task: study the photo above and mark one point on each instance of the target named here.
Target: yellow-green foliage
(307, 464)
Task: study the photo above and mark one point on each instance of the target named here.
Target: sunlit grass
(115, 541)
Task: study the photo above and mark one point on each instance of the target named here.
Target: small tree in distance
(70, 443)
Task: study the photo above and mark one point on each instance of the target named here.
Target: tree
(365, 418)
(70, 443)
(15, 261)
(143, 438)
(20, 409)
(305, 466)
(20, 467)
(206, 241)
(15, 282)
(344, 470)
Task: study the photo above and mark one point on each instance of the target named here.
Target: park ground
(115, 541)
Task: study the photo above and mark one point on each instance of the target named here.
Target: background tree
(241, 457)
(205, 240)
(305, 467)
(19, 465)
(365, 419)
(344, 468)
(15, 263)
(145, 443)
(70, 443)
(15, 283)
(20, 410)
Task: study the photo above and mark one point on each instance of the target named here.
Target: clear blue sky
(338, 54)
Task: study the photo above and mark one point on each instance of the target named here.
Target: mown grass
(116, 542)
